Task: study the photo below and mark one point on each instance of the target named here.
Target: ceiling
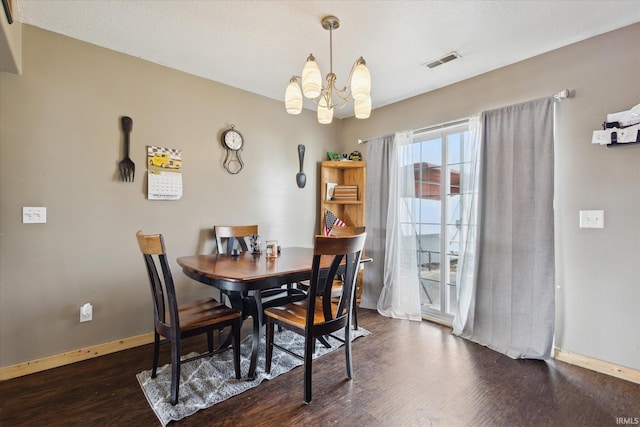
(257, 45)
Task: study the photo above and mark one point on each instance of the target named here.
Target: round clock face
(233, 140)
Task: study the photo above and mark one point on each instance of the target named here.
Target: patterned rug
(210, 380)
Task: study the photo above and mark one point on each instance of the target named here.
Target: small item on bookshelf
(331, 189)
(345, 192)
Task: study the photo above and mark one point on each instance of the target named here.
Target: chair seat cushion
(296, 313)
(203, 312)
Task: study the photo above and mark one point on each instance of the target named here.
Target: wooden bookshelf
(352, 212)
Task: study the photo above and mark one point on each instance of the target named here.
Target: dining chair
(347, 231)
(174, 321)
(321, 313)
(337, 283)
(234, 237)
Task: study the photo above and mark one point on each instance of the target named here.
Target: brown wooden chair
(175, 321)
(321, 313)
(337, 284)
(347, 231)
(234, 237)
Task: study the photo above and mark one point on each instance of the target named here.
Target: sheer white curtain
(467, 261)
(400, 296)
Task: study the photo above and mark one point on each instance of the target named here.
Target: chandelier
(328, 97)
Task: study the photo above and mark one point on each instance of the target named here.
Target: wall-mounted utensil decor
(126, 166)
(301, 178)
(8, 10)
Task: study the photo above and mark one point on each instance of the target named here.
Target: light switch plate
(34, 215)
(591, 219)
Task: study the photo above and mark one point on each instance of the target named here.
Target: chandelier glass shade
(328, 96)
(325, 114)
(362, 108)
(293, 97)
(311, 78)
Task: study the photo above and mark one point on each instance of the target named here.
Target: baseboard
(597, 365)
(62, 359)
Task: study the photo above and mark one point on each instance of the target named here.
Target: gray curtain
(513, 311)
(378, 152)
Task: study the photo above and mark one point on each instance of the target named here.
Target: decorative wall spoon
(301, 178)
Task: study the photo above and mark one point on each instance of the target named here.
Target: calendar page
(164, 185)
(164, 176)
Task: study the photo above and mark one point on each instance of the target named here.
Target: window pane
(427, 178)
(454, 148)
(453, 240)
(429, 151)
(429, 250)
(437, 163)
(453, 269)
(454, 209)
(452, 303)
(427, 211)
(429, 229)
(454, 179)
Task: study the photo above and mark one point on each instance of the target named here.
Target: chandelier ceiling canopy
(329, 96)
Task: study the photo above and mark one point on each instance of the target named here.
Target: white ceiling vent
(448, 57)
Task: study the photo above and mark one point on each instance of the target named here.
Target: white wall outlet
(34, 215)
(591, 219)
(86, 312)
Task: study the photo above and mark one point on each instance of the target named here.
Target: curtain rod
(441, 125)
(422, 130)
(563, 94)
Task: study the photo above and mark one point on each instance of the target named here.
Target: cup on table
(272, 249)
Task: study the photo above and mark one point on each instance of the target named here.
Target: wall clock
(233, 142)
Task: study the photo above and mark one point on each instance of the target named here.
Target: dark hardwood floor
(406, 374)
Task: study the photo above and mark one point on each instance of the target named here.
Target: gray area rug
(210, 380)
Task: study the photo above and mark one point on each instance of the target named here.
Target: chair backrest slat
(346, 252)
(346, 231)
(229, 234)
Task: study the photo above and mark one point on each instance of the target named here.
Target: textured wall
(60, 145)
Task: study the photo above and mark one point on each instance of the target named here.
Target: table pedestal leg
(237, 303)
(250, 305)
(255, 341)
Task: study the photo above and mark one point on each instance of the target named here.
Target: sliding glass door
(436, 157)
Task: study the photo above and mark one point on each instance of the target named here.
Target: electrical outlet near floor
(86, 312)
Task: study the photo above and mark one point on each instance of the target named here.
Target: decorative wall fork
(127, 167)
